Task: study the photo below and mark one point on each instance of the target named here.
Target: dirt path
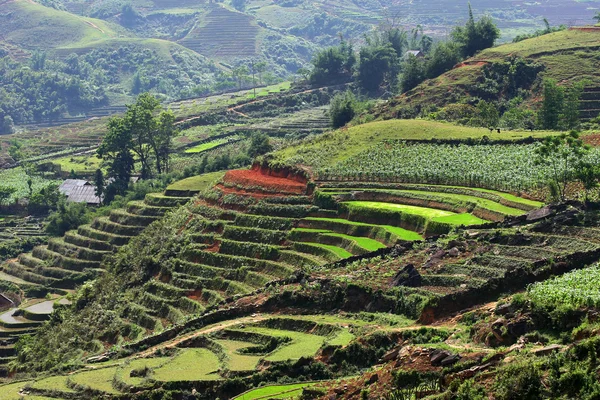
(203, 331)
(93, 25)
(234, 109)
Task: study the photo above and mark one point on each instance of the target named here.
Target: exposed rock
(437, 356)
(544, 351)
(503, 309)
(98, 359)
(374, 378)
(451, 359)
(454, 252)
(541, 213)
(407, 276)
(390, 355)
(519, 327)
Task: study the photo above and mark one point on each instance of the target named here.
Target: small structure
(416, 53)
(80, 191)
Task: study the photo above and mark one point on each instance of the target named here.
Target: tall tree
(116, 151)
(161, 140)
(413, 73)
(562, 154)
(570, 110)
(379, 65)
(99, 183)
(143, 134)
(476, 35)
(552, 105)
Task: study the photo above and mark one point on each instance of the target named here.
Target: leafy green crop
(575, 289)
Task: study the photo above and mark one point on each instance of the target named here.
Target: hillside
(567, 56)
(234, 245)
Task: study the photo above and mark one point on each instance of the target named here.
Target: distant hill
(567, 56)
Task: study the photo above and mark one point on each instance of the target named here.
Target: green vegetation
(100, 379)
(274, 392)
(575, 289)
(300, 345)
(178, 368)
(402, 233)
(237, 361)
(197, 183)
(428, 213)
(207, 146)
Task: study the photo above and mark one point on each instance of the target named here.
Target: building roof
(84, 194)
(415, 53)
(79, 191)
(70, 184)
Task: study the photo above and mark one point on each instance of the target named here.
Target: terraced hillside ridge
(18, 321)
(71, 260)
(589, 105)
(566, 56)
(223, 34)
(205, 357)
(476, 265)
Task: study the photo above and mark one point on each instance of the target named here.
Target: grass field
(431, 214)
(58, 383)
(365, 243)
(340, 145)
(402, 233)
(239, 362)
(301, 345)
(152, 363)
(204, 361)
(100, 379)
(32, 25)
(274, 392)
(198, 182)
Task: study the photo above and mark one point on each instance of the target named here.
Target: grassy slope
(346, 143)
(33, 26)
(198, 182)
(568, 55)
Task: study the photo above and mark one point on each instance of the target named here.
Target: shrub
(342, 109)
(519, 382)
(68, 216)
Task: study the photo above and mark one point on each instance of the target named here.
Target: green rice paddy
(301, 344)
(197, 183)
(402, 233)
(275, 392)
(431, 214)
(190, 365)
(338, 251)
(207, 146)
(239, 362)
(365, 243)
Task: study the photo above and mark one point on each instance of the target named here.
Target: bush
(519, 382)
(342, 109)
(67, 216)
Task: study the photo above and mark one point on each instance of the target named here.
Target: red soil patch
(472, 63)
(592, 140)
(586, 28)
(255, 179)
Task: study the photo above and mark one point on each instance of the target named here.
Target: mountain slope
(567, 56)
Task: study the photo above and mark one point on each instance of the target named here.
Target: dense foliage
(504, 167)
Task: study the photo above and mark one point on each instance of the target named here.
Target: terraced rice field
(223, 34)
(207, 355)
(275, 392)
